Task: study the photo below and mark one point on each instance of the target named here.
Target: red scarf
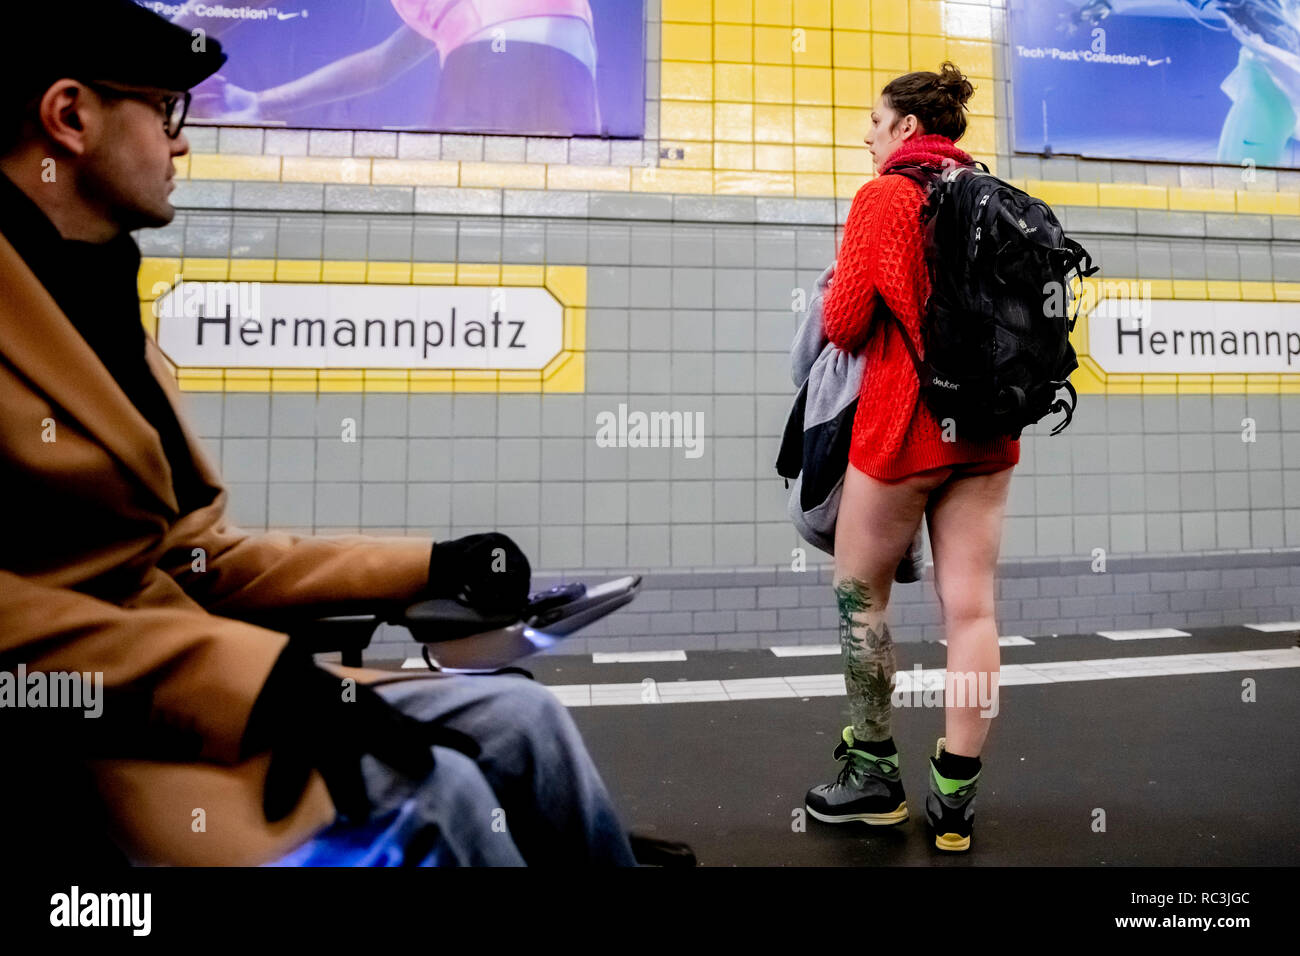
(930, 149)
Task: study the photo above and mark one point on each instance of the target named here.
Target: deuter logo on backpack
(996, 338)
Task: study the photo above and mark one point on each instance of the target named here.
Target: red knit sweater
(882, 254)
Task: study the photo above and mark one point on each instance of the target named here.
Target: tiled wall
(691, 267)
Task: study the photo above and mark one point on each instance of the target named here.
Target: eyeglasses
(174, 106)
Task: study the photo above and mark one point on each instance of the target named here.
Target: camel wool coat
(116, 592)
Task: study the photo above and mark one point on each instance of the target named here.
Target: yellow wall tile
(294, 379)
(848, 184)
(385, 380)
(247, 379)
(564, 176)
(687, 41)
(981, 135)
(433, 273)
(849, 160)
(570, 377)
(814, 184)
(733, 11)
(854, 88)
(982, 103)
(926, 16)
(685, 81)
(693, 121)
(1288, 204)
(1135, 195)
(889, 16)
(814, 125)
(851, 125)
(850, 15)
(575, 329)
(774, 12)
(734, 44)
(297, 270)
(773, 84)
(503, 175)
(340, 271)
(812, 86)
(774, 158)
(749, 184)
(814, 159)
(1257, 291)
(212, 270)
(1287, 291)
(228, 166)
(252, 270)
(695, 155)
(568, 284)
(817, 49)
(1216, 200)
(889, 51)
(672, 180)
(325, 169)
(1190, 289)
(733, 122)
(734, 155)
(851, 50)
(733, 81)
(514, 274)
(1269, 203)
(974, 57)
(1223, 289)
(390, 273)
(773, 124)
(812, 13)
(773, 45)
(415, 172)
(156, 277)
(181, 164)
(478, 273)
(927, 53)
(1054, 192)
(688, 11)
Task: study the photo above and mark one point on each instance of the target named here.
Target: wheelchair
(457, 639)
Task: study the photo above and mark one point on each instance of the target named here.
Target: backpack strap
(924, 373)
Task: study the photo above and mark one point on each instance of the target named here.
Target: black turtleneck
(95, 286)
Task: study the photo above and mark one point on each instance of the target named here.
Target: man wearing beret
(218, 743)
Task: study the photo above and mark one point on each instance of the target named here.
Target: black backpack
(996, 327)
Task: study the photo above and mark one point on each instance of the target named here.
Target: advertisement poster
(521, 67)
(1202, 81)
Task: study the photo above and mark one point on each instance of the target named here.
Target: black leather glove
(470, 570)
(304, 718)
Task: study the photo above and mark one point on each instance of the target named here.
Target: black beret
(115, 40)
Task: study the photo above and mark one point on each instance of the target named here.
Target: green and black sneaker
(869, 789)
(950, 806)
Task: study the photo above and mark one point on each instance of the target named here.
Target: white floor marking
(1013, 641)
(1275, 626)
(650, 691)
(1142, 634)
(806, 650)
(636, 657)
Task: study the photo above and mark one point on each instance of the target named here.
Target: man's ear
(67, 115)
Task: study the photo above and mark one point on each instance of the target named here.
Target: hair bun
(954, 83)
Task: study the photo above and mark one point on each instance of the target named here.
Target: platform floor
(1186, 772)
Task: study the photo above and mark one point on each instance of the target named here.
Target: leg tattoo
(869, 663)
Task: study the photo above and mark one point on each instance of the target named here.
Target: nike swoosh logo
(288, 16)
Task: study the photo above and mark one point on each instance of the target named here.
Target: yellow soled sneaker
(869, 788)
(950, 804)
